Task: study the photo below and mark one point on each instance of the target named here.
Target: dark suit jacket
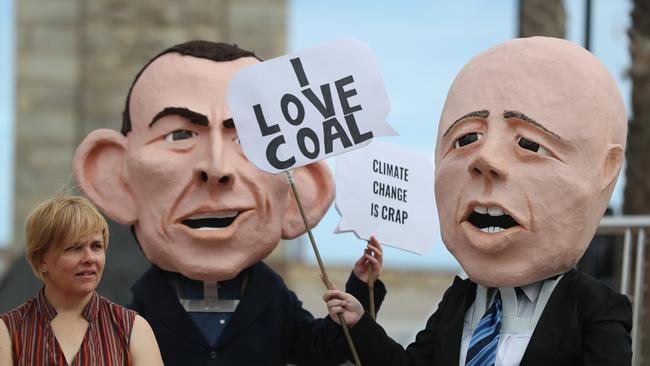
(269, 327)
(584, 323)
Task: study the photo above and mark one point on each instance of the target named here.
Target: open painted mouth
(211, 221)
(491, 219)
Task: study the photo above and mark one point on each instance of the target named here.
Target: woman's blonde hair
(59, 221)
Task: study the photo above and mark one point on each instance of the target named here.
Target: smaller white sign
(299, 108)
(387, 191)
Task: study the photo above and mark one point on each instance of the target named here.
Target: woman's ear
(315, 185)
(98, 167)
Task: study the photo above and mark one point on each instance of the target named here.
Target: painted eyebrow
(190, 115)
(228, 123)
(520, 116)
(483, 113)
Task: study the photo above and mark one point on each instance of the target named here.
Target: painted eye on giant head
(524, 143)
(179, 135)
(467, 139)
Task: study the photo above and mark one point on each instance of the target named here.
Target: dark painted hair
(214, 51)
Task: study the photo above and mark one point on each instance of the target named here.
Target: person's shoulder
(597, 299)
(459, 289)
(153, 273)
(21, 310)
(147, 289)
(461, 283)
(116, 310)
(109, 305)
(15, 316)
(591, 288)
(273, 285)
(262, 271)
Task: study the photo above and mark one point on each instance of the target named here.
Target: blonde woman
(67, 322)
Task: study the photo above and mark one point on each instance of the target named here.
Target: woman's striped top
(106, 341)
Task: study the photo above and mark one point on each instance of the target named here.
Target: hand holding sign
(296, 109)
(387, 191)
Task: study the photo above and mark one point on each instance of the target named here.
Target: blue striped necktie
(482, 350)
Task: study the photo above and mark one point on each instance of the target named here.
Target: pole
(323, 272)
(588, 25)
(371, 289)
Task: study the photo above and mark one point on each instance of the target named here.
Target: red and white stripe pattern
(106, 341)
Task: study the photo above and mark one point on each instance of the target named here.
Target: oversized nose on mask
(204, 177)
(216, 165)
(490, 162)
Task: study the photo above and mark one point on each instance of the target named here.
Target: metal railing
(630, 226)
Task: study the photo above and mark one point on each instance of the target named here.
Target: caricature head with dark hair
(219, 52)
(178, 175)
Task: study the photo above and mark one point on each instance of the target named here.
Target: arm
(315, 342)
(143, 346)
(373, 345)
(6, 358)
(606, 333)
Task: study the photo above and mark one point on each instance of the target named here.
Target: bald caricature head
(530, 143)
(179, 177)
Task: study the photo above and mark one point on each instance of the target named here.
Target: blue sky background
(419, 45)
(6, 119)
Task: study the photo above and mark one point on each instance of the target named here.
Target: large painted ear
(98, 167)
(315, 186)
(612, 165)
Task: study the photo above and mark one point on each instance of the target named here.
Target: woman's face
(78, 269)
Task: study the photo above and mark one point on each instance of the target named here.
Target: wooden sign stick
(323, 272)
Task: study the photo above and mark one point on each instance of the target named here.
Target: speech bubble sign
(387, 191)
(299, 108)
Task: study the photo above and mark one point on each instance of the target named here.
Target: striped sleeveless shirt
(106, 341)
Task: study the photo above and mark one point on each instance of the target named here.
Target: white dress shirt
(520, 315)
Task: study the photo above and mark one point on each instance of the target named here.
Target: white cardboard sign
(299, 108)
(387, 191)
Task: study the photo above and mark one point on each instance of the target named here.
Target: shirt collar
(44, 306)
(187, 288)
(532, 290)
(49, 312)
(91, 309)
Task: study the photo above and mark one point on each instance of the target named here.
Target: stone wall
(47, 79)
(76, 60)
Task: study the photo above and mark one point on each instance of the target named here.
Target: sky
(419, 46)
(6, 119)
